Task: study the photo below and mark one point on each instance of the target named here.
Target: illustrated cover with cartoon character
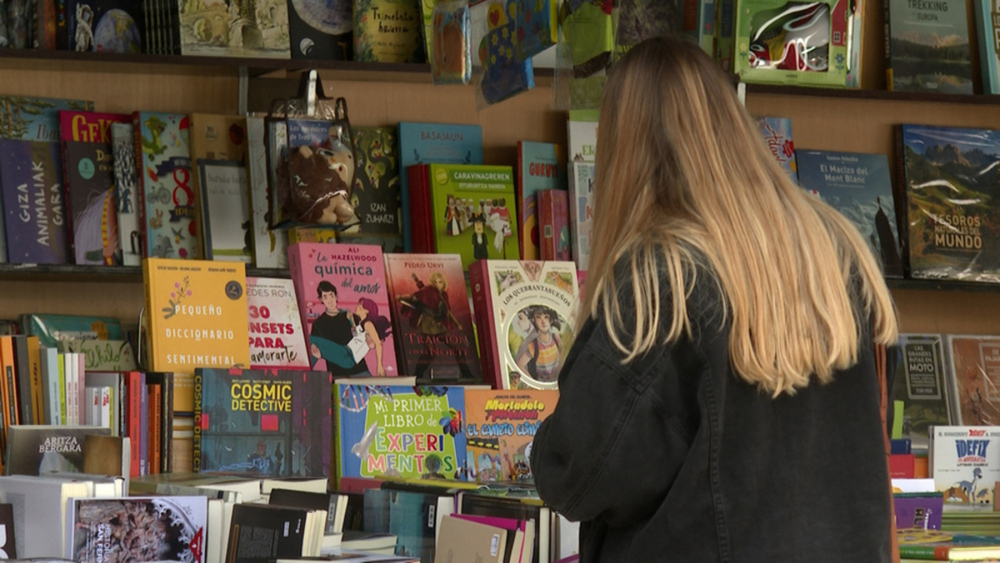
(398, 430)
(263, 422)
(376, 188)
(965, 462)
(525, 315)
(499, 428)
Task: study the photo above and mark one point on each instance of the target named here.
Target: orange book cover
(196, 316)
(9, 367)
(154, 430)
(499, 428)
(35, 370)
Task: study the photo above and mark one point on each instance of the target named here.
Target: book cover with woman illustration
(344, 306)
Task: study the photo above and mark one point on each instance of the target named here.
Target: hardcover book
(553, 220)
(525, 317)
(196, 316)
(216, 28)
(388, 31)
(432, 318)
(276, 336)
(540, 166)
(954, 222)
(105, 26)
(30, 118)
(127, 193)
(922, 385)
(34, 208)
(858, 185)
(268, 245)
(471, 211)
(344, 308)
(965, 462)
(927, 47)
(160, 528)
(581, 212)
(262, 422)
(499, 428)
(400, 430)
(167, 200)
(41, 449)
(422, 143)
(987, 13)
(974, 363)
(777, 133)
(321, 29)
(376, 180)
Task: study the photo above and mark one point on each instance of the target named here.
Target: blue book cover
(33, 202)
(31, 118)
(424, 143)
(410, 432)
(859, 186)
(413, 519)
(105, 26)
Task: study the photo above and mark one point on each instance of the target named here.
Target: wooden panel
(120, 300)
(948, 312)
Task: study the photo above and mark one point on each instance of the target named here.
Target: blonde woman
(721, 401)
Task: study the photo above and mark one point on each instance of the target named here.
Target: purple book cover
(344, 306)
(91, 206)
(34, 210)
(918, 510)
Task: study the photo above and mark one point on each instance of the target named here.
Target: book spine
(900, 199)
(196, 440)
(62, 27)
(484, 316)
(143, 425)
(888, 44)
(420, 220)
(140, 186)
(35, 376)
(10, 378)
(63, 404)
(154, 428)
(23, 376)
(547, 241)
(133, 386)
(167, 424)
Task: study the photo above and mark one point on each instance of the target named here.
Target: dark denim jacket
(674, 458)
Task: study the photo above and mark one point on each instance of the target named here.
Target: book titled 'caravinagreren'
(196, 316)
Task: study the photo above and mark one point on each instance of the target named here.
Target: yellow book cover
(196, 316)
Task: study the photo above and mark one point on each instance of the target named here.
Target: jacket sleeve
(612, 447)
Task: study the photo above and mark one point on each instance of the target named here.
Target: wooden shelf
(799, 91)
(125, 274)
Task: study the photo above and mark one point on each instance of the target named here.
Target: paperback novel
(276, 336)
(927, 47)
(42, 449)
(922, 384)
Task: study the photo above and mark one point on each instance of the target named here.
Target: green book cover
(473, 210)
(388, 31)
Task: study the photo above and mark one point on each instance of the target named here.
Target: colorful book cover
(269, 422)
(525, 313)
(965, 462)
(499, 428)
(216, 28)
(974, 363)
(553, 221)
(104, 26)
(432, 319)
(52, 328)
(30, 118)
(399, 430)
(168, 203)
(922, 386)
(987, 12)
(376, 180)
(321, 30)
(276, 336)
(581, 133)
(160, 528)
(344, 306)
(127, 194)
(928, 47)
(268, 245)
(388, 31)
(34, 208)
(954, 222)
(777, 133)
(472, 208)
(423, 143)
(540, 166)
(196, 316)
(42, 449)
(859, 186)
(581, 212)
(225, 210)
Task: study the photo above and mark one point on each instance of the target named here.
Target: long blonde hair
(683, 179)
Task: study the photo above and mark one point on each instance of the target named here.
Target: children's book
(388, 31)
(422, 143)
(104, 26)
(553, 222)
(33, 202)
(777, 133)
(471, 211)
(268, 245)
(525, 317)
(268, 422)
(948, 182)
(859, 186)
(196, 316)
(344, 308)
(167, 199)
(30, 118)
(376, 187)
(965, 462)
(927, 47)
(127, 193)
(974, 363)
(400, 430)
(276, 336)
(321, 30)
(581, 212)
(540, 166)
(432, 319)
(922, 385)
(216, 28)
(499, 428)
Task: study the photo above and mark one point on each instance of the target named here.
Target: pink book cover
(553, 222)
(344, 307)
(276, 336)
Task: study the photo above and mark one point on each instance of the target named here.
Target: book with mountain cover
(949, 178)
(927, 47)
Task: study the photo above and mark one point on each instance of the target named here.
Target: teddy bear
(320, 185)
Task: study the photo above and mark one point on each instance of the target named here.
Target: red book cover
(485, 321)
(433, 322)
(135, 387)
(421, 231)
(553, 223)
